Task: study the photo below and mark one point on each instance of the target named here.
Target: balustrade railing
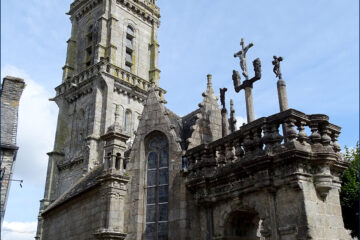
(104, 66)
(264, 137)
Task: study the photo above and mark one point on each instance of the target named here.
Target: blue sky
(319, 41)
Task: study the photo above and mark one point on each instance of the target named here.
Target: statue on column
(222, 96)
(276, 63)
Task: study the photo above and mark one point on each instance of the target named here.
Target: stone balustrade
(263, 138)
(103, 66)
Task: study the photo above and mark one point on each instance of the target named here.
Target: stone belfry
(112, 59)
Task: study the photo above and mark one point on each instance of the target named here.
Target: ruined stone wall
(77, 219)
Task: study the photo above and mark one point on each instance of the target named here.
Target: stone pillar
(232, 119)
(249, 105)
(224, 122)
(283, 101)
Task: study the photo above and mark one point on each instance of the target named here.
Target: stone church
(126, 167)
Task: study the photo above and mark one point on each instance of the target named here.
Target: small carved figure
(242, 56)
(257, 68)
(222, 96)
(276, 63)
(237, 80)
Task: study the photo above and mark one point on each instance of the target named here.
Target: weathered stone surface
(126, 167)
(11, 91)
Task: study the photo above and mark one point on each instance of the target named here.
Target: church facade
(126, 167)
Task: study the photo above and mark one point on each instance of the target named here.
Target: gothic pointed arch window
(157, 156)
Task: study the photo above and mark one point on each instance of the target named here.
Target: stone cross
(248, 83)
(242, 56)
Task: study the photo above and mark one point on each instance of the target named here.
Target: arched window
(157, 187)
(117, 161)
(129, 48)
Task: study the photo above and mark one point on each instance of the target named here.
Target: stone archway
(242, 225)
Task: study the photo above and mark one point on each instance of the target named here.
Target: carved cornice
(109, 234)
(145, 10)
(81, 7)
(125, 82)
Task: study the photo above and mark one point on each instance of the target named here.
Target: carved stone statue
(242, 56)
(276, 63)
(237, 80)
(222, 96)
(257, 68)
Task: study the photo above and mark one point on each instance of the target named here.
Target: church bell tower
(112, 60)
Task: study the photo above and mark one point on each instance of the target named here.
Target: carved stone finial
(242, 56)
(276, 63)
(209, 78)
(222, 97)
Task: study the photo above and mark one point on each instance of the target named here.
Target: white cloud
(18, 230)
(36, 129)
(240, 121)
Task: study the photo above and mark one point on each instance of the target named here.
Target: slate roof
(84, 183)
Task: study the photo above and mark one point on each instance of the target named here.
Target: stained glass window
(157, 188)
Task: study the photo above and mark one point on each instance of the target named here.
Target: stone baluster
(209, 161)
(272, 137)
(302, 136)
(257, 140)
(315, 135)
(324, 130)
(291, 134)
(267, 137)
(239, 151)
(229, 152)
(247, 143)
(334, 139)
(221, 159)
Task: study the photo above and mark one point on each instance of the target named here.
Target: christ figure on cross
(242, 56)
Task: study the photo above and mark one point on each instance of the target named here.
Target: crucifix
(242, 56)
(247, 85)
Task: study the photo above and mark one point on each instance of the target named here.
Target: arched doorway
(242, 225)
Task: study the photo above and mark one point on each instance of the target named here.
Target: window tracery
(157, 188)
